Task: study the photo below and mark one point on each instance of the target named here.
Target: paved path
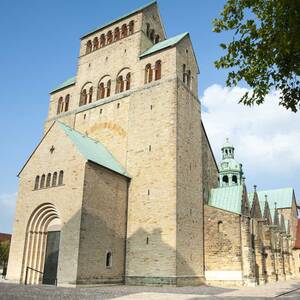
(280, 290)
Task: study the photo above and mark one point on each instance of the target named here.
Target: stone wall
(222, 241)
(103, 226)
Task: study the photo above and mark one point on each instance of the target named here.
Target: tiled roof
(66, 83)
(297, 242)
(5, 237)
(119, 19)
(228, 198)
(164, 44)
(93, 150)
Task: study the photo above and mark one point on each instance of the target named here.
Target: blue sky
(40, 46)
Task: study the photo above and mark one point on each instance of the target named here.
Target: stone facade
(249, 237)
(124, 174)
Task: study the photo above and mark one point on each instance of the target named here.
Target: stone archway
(45, 217)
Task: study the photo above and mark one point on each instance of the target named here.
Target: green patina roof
(227, 198)
(282, 197)
(164, 44)
(119, 19)
(230, 164)
(227, 144)
(93, 150)
(66, 83)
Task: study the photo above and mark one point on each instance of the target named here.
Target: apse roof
(228, 198)
(164, 44)
(93, 150)
(66, 83)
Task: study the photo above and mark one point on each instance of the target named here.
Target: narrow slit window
(108, 260)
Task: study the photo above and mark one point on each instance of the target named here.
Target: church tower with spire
(231, 171)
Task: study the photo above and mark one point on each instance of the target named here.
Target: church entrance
(41, 247)
(51, 258)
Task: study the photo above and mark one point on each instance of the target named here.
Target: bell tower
(231, 172)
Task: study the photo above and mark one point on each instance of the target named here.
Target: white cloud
(7, 210)
(266, 137)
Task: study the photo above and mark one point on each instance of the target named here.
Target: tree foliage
(4, 251)
(265, 49)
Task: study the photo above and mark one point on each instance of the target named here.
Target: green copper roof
(227, 144)
(230, 164)
(119, 19)
(281, 198)
(66, 83)
(93, 150)
(227, 198)
(164, 44)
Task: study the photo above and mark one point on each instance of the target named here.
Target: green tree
(4, 251)
(265, 48)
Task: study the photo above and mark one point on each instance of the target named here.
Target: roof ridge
(276, 189)
(82, 134)
(66, 83)
(93, 150)
(120, 18)
(165, 44)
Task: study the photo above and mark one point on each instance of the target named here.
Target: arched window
(184, 73)
(225, 179)
(60, 105)
(131, 27)
(120, 84)
(234, 179)
(67, 101)
(108, 260)
(48, 180)
(37, 182)
(101, 91)
(124, 30)
(88, 47)
(54, 179)
(95, 43)
(108, 88)
(156, 39)
(148, 30)
(61, 178)
(109, 37)
(152, 35)
(158, 70)
(117, 34)
(220, 226)
(148, 73)
(128, 81)
(90, 94)
(102, 40)
(83, 98)
(42, 184)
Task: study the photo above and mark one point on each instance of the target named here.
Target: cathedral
(123, 186)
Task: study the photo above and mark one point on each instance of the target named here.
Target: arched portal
(43, 222)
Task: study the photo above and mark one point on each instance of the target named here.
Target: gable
(43, 159)
(70, 144)
(256, 211)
